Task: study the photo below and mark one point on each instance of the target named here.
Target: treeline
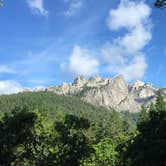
(104, 122)
(46, 129)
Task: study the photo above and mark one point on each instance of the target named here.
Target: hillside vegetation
(45, 129)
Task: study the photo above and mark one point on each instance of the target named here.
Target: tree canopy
(148, 148)
(160, 3)
(78, 134)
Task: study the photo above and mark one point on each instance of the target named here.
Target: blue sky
(47, 42)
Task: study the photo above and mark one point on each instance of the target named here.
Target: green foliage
(148, 148)
(16, 132)
(160, 3)
(65, 131)
(43, 128)
(160, 104)
(109, 125)
(105, 154)
(54, 104)
(143, 117)
(26, 140)
(104, 122)
(73, 145)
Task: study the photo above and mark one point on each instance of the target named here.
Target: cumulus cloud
(9, 87)
(81, 62)
(129, 14)
(6, 69)
(124, 54)
(130, 69)
(135, 40)
(73, 7)
(37, 6)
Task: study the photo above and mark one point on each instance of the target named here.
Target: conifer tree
(160, 104)
(149, 146)
(143, 117)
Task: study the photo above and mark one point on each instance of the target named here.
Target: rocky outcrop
(110, 92)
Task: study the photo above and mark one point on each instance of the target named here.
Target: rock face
(110, 92)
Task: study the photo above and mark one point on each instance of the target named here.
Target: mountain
(114, 93)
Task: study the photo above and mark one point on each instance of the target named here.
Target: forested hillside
(45, 129)
(57, 106)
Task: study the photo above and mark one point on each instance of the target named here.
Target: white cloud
(6, 69)
(124, 54)
(9, 87)
(37, 6)
(74, 6)
(131, 69)
(112, 54)
(81, 62)
(129, 14)
(136, 40)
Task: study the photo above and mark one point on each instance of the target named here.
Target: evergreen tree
(73, 145)
(160, 104)
(16, 134)
(143, 117)
(149, 147)
(160, 3)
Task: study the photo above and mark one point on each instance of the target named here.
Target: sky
(47, 42)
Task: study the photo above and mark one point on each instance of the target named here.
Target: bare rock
(110, 92)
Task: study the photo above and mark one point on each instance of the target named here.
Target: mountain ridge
(114, 93)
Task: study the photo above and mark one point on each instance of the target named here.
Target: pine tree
(152, 107)
(143, 117)
(148, 147)
(160, 3)
(160, 104)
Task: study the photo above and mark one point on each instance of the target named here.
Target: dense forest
(42, 128)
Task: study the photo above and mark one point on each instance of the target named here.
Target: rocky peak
(80, 81)
(119, 83)
(136, 85)
(95, 79)
(110, 92)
